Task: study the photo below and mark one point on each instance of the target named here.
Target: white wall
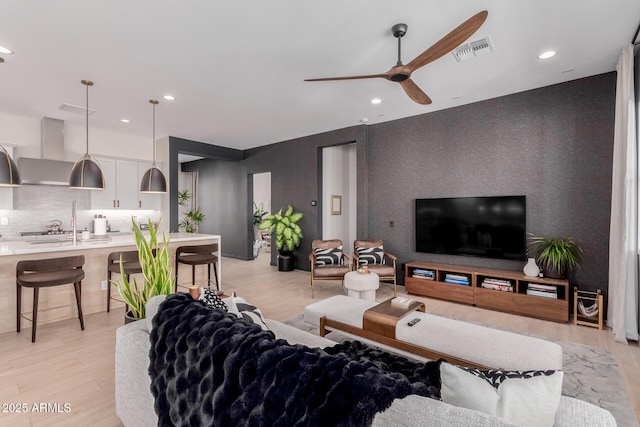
(262, 190)
(23, 133)
(339, 178)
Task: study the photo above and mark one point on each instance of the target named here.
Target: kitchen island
(59, 303)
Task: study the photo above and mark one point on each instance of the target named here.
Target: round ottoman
(361, 286)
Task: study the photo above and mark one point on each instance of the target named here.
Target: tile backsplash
(35, 206)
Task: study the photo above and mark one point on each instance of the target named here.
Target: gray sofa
(135, 404)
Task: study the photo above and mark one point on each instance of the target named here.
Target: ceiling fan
(402, 73)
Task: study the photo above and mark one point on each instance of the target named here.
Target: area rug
(590, 374)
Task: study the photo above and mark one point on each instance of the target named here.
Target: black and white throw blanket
(210, 368)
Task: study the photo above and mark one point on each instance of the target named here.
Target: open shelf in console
(459, 290)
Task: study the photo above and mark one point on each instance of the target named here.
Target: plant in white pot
(156, 270)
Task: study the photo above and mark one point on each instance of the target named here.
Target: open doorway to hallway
(261, 243)
(339, 194)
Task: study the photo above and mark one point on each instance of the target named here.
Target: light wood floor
(68, 366)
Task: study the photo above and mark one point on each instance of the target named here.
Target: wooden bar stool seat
(131, 264)
(42, 273)
(198, 255)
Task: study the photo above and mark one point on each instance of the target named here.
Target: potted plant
(287, 233)
(258, 216)
(193, 217)
(156, 270)
(556, 256)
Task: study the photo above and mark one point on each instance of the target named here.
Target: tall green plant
(284, 227)
(156, 270)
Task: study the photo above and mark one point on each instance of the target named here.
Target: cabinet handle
(114, 203)
(118, 203)
(139, 203)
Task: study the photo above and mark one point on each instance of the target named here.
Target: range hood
(50, 169)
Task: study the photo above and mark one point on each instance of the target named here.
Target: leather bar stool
(198, 255)
(131, 264)
(44, 273)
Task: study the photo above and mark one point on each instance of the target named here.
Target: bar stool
(131, 264)
(198, 255)
(41, 273)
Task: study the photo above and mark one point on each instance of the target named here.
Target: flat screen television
(491, 227)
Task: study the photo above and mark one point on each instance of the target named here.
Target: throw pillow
(212, 300)
(331, 256)
(241, 308)
(524, 398)
(368, 256)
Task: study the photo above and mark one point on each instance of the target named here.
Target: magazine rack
(588, 308)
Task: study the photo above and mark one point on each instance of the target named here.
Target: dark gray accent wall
(552, 144)
(186, 146)
(295, 172)
(222, 197)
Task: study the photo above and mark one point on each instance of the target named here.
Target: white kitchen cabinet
(121, 185)
(146, 200)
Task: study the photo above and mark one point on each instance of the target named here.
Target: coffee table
(382, 318)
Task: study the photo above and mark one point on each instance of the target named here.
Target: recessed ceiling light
(5, 50)
(169, 98)
(548, 54)
(125, 120)
(376, 101)
(364, 120)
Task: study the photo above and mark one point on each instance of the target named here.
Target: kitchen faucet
(74, 224)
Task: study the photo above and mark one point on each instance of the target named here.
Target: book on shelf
(456, 277)
(402, 302)
(456, 281)
(539, 287)
(553, 295)
(497, 287)
(423, 274)
(494, 281)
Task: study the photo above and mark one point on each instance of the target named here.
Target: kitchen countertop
(19, 247)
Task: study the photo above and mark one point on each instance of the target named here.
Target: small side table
(362, 286)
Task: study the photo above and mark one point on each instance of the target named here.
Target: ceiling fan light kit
(401, 73)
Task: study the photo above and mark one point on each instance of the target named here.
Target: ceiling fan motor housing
(399, 30)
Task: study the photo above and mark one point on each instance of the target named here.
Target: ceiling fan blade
(368, 76)
(415, 92)
(450, 41)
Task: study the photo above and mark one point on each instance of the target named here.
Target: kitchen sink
(48, 241)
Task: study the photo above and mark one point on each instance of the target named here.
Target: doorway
(260, 195)
(339, 194)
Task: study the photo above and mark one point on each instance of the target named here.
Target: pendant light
(9, 174)
(153, 180)
(86, 173)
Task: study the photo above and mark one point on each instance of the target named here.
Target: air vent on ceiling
(76, 109)
(473, 49)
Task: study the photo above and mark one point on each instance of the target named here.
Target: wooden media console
(504, 290)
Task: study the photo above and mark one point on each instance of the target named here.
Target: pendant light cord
(87, 83)
(154, 134)
(154, 103)
(87, 111)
